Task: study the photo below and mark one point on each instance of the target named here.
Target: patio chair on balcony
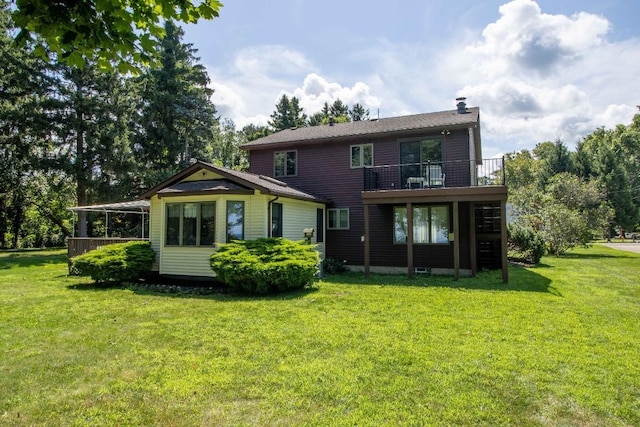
(434, 177)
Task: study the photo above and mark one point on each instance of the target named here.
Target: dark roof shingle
(388, 125)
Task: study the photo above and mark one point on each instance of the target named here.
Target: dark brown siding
(324, 170)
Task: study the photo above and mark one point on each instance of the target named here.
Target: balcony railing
(452, 174)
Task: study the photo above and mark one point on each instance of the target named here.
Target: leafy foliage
(525, 243)
(265, 265)
(123, 33)
(288, 114)
(117, 262)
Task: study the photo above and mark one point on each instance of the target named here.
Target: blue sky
(539, 71)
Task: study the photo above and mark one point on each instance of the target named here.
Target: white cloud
(540, 77)
(317, 90)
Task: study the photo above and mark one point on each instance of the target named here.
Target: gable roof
(232, 182)
(363, 128)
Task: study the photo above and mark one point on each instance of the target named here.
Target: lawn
(558, 345)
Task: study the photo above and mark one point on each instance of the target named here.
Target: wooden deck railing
(79, 245)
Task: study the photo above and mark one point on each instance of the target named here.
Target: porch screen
(430, 224)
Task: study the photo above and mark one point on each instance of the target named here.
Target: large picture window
(190, 224)
(361, 155)
(235, 220)
(430, 224)
(285, 163)
(338, 219)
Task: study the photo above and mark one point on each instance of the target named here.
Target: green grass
(558, 345)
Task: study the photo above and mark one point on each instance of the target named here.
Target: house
(206, 204)
(404, 194)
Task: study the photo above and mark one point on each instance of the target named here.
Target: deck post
(410, 240)
(456, 239)
(366, 241)
(473, 250)
(503, 240)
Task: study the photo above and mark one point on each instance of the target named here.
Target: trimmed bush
(525, 243)
(117, 262)
(265, 265)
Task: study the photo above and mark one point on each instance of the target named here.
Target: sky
(539, 70)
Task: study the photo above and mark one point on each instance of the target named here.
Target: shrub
(117, 262)
(333, 266)
(525, 243)
(265, 265)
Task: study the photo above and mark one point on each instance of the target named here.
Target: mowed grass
(558, 345)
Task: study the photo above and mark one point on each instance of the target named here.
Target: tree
(176, 113)
(337, 112)
(568, 212)
(106, 32)
(358, 112)
(554, 158)
(603, 156)
(26, 99)
(225, 149)
(90, 122)
(288, 114)
(253, 132)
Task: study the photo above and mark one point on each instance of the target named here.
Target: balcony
(433, 175)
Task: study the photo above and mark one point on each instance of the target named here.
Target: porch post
(456, 239)
(366, 240)
(106, 224)
(472, 239)
(503, 240)
(409, 240)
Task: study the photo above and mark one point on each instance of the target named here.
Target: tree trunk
(81, 174)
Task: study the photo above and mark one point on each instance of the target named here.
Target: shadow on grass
(210, 291)
(31, 258)
(520, 279)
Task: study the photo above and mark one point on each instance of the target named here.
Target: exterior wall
(193, 260)
(155, 229)
(324, 169)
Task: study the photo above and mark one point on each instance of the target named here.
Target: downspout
(269, 216)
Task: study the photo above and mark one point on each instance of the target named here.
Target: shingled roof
(233, 182)
(362, 128)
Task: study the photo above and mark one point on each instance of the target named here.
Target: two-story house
(408, 193)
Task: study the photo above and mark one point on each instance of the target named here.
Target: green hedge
(525, 243)
(118, 262)
(265, 265)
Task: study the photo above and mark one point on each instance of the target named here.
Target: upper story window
(361, 155)
(338, 219)
(190, 224)
(285, 163)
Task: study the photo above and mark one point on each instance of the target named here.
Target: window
(415, 156)
(285, 163)
(361, 155)
(338, 219)
(276, 220)
(235, 221)
(430, 224)
(190, 224)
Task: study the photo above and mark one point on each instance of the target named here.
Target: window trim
(286, 152)
(198, 227)
(361, 159)
(429, 223)
(338, 211)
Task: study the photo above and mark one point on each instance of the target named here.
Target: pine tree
(177, 115)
